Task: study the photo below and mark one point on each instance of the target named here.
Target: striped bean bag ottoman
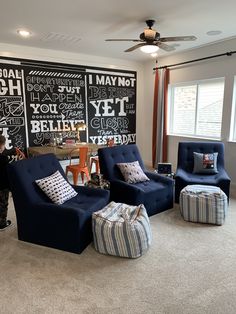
(203, 203)
(121, 230)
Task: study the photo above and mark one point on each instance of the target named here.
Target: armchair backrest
(110, 156)
(186, 149)
(22, 175)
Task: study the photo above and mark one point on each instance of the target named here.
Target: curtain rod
(230, 53)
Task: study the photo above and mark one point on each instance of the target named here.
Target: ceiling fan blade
(135, 47)
(134, 40)
(164, 46)
(178, 38)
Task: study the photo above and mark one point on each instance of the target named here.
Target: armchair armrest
(125, 192)
(223, 175)
(158, 178)
(180, 173)
(91, 191)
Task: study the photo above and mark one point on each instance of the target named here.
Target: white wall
(219, 67)
(89, 60)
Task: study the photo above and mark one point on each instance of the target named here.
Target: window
(233, 115)
(196, 108)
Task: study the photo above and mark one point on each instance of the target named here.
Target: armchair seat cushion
(84, 204)
(200, 178)
(150, 187)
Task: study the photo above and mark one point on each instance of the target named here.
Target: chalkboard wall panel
(39, 100)
(12, 106)
(55, 103)
(111, 107)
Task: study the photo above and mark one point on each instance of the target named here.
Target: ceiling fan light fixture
(24, 33)
(149, 33)
(154, 54)
(149, 48)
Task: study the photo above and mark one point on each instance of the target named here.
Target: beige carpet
(190, 268)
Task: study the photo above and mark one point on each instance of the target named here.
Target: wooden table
(63, 152)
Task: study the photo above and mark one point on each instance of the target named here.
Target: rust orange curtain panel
(159, 133)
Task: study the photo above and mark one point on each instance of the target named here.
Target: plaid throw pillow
(132, 172)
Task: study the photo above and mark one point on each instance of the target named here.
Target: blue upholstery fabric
(156, 194)
(67, 226)
(185, 175)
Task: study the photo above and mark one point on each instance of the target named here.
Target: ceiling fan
(150, 40)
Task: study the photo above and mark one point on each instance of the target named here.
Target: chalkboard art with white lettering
(12, 108)
(39, 102)
(55, 103)
(112, 107)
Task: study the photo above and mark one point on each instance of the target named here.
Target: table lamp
(80, 126)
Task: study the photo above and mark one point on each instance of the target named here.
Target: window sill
(231, 141)
(197, 137)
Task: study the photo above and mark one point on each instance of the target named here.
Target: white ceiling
(94, 21)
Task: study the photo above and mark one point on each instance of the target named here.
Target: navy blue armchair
(156, 194)
(185, 175)
(66, 227)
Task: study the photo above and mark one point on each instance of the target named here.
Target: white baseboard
(233, 190)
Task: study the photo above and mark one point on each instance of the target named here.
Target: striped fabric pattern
(121, 230)
(204, 204)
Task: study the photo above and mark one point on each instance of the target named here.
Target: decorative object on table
(204, 204)
(66, 227)
(97, 178)
(110, 142)
(97, 181)
(169, 175)
(80, 126)
(56, 139)
(69, 142)
(59, 139)
(121, 230)
(184, 174)
(164, 168)
(53, 141)
(156, 194)
(103, 185)
(80, 168)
